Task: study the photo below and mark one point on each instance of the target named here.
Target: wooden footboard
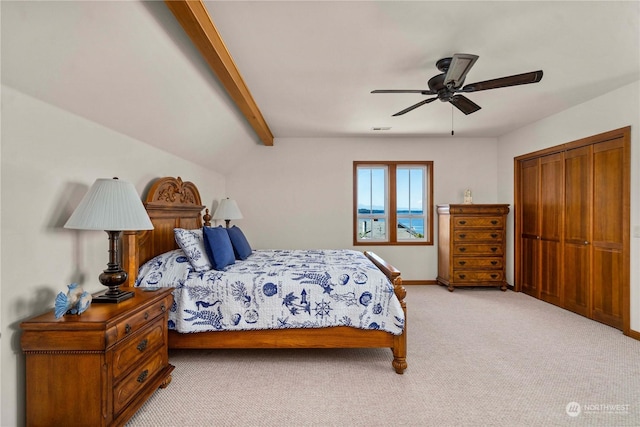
(173, 203)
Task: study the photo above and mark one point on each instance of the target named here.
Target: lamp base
(108, 297)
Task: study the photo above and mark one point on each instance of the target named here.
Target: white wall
(299, 193)
(614, 110)
(49, 160)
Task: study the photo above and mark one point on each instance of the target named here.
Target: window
(392, 203)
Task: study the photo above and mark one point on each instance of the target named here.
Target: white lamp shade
(110, 205)
(227, 209)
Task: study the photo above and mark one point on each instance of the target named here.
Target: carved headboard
(170, 203)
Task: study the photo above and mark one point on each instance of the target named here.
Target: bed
(172, 203)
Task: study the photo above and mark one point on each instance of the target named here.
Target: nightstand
(98, 368)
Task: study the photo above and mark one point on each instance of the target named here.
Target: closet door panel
(551, 219)
(530, 227)
(577, 229)
(608, 234)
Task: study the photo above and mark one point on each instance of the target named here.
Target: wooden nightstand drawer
(135, 381)
(478, 276)
(140, 320)
(478, 222)
(478, 262)
(138, 346)
(486, 235)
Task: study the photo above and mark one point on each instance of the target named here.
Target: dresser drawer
(136, 347)
(482, 249)
(478, 276)
(136, 380)
(478, 263)
(475, 235)
(141, 319)
(478, 222)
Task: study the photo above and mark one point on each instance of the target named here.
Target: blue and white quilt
(277, 289)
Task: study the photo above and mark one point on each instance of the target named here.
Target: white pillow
(192, 244)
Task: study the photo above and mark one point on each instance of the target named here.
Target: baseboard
(634, 334)
(419, 282)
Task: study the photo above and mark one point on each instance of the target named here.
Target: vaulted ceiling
(309, 66)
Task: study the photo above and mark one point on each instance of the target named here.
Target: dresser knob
(146, 315)
(494, 249)
(462, 249)
(494, 262)
(493, 276)
(494, 235)
(462, 236)
(143, 376)
(127, 328)
(142, 345)
(462, 222)
(462, 262)
(494, 222)
(462, 276)
(163, 308)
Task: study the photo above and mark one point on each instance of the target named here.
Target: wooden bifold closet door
(572, 226)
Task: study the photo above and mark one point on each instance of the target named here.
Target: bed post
(399, 341)
(130, 256)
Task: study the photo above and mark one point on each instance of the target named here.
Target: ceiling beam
(196, 22)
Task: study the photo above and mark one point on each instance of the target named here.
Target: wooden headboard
(170, 203)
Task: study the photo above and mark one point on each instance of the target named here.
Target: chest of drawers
(98, 368)
(471, 245)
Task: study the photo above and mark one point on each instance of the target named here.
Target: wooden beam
(196, 22)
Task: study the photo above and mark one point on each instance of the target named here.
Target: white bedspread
(277, 289)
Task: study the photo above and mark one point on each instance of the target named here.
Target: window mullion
(393, 220)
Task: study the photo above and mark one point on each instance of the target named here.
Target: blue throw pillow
(218, 247)
(241, 246)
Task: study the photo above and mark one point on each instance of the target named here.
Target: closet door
(551, 220)
(529, 226)
(577, 236)
(608, 239)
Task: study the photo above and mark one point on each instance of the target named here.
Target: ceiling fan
(448, 85)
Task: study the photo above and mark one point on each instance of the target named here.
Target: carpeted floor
(477, 357)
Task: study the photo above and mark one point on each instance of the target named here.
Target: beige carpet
(476, 357)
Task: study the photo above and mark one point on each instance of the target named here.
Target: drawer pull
(127, 328)
(143, 376)
(163, 308)
(494, 235)
(146, 315)
(462, 262)
(462, 276)
(494, 262)
(462, 236)
(462, 222)
(494, 249)
(493, 276)
(494, 222)
(462, 249)
(143, 345)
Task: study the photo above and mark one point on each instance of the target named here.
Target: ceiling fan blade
(464, 104)
(422, 91)
(414, 106)
(518, 79)
(460, 65)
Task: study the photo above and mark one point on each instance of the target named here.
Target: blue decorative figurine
(76, 301)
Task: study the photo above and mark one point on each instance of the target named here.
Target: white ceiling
(310, 66)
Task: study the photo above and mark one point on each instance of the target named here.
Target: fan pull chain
(451, 121)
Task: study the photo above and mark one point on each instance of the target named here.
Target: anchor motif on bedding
(322, 280)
